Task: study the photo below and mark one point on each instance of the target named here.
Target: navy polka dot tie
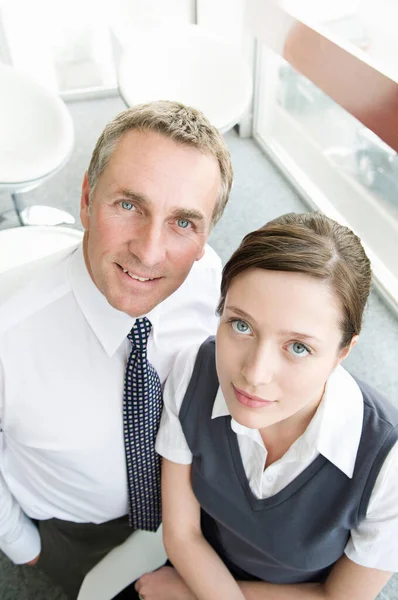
(142, 408)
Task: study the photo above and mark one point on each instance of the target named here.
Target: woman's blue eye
(127, 205)
(298, 349)
(183, 223)
(240, 326)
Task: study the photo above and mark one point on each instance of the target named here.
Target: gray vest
(300, 532)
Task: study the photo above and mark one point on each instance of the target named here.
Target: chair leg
(40, 215)
(16, 207)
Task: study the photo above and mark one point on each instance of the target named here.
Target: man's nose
(150, 245)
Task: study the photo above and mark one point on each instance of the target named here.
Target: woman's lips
(251, 401)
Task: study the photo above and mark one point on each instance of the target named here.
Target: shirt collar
(339, 417)
(220, 409)
(110, 325)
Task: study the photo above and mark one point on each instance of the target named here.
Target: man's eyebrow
(188, 213)
(178, 213)
(136, 196)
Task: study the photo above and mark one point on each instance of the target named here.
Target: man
(88, 336)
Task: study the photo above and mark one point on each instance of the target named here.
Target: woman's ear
(344, 352)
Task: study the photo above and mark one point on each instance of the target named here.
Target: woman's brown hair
(312, 244)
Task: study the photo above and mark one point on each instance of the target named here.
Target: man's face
(149, 219)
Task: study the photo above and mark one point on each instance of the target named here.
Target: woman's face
(277, 343)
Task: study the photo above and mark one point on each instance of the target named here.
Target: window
(328, 117)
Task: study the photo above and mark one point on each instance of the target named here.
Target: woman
(279, 472)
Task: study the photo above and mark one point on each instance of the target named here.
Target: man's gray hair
(180, 123)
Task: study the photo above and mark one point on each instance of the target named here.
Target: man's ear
(344, 352)
(201, 254)
(85, 203)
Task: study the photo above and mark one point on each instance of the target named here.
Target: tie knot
(139, 334)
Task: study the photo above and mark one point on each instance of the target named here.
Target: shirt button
(270, 479)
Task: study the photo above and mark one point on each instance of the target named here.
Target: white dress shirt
(334, 431)
(63, 351)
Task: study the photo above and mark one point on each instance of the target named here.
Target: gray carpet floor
(259, 194)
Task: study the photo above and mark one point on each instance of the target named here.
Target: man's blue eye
(183, 223)
(127, 205)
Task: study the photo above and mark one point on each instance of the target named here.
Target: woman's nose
(259, 367)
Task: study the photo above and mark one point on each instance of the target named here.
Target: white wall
(63, 42)
(66, 42)
(147, 12)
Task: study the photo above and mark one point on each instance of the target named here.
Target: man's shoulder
(191, 309)
(26, 289)
(202, 286)
(207, 270)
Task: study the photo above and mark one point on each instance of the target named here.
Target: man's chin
(136, 299)
(133, 309)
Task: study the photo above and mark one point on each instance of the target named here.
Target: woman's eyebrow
(241, 313)
(307, 336)
(281, 332)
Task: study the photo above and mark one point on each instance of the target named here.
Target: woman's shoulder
(374, 402)
(377, 405)
(181, 373)
(187, 357)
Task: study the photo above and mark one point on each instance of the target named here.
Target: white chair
(143, 551)
(19, 245)
(185, 63)
(36, 140)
